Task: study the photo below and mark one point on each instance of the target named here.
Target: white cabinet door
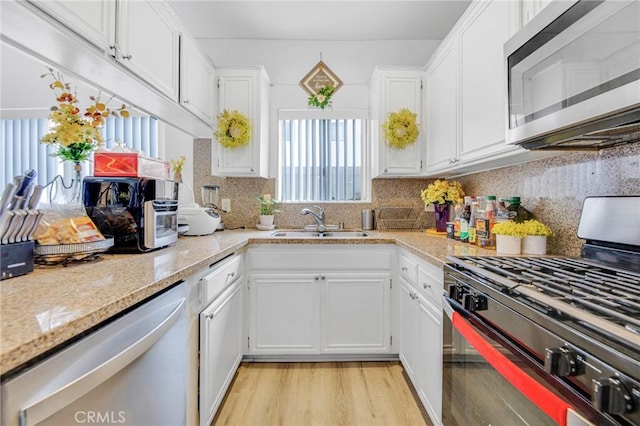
(220, 349)
(429, 356)
(442, 109)
(483, 88)
(356, 316)
(408, 333)
(94, 20)
(148, 38)
(392, 90)
(245, 90)
(284, 314)
(196, 80)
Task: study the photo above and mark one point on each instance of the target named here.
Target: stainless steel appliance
(140, 214)
(134, 371)
(545, 339)
(573, 75)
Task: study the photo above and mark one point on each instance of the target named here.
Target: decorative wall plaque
(319, 77)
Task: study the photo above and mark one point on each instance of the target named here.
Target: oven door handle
(542, 397)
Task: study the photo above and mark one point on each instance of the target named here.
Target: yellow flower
(234, 129)
(442, 192)
(76, 134)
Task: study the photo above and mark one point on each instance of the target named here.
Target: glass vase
(442, 216)
(75, 193)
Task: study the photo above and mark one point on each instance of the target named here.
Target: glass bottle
(465, 219)
(517, 212)
(484, 224)
(502, 214)
(457, 208)
(476, 210)
(472, 221)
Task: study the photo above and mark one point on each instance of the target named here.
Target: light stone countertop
(50, 306)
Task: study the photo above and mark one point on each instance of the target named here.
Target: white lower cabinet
(421, 331)
(355, 313)
(297, 307)
(284, 314)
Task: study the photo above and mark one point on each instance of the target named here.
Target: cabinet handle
(186, 101)
(209, 316)
(127, 57)
(316, 278)
(404, 269)
(322, 277)
(231, 274)
(425, 285)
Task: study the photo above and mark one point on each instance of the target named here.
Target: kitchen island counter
(52, 305)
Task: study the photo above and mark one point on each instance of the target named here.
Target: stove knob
(474, 302)
(560, 361)
(611, 396)
(456, 292)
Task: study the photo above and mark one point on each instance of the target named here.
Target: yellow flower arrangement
(76, 135)
(177, 165)
(533, 227)
(509, 228)
(401, 129)
(234, 129)
(528, 227)
(442, 192)
(322, 98)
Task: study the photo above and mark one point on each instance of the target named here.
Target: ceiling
(351, 20)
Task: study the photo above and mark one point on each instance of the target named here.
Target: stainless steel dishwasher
(133, 371)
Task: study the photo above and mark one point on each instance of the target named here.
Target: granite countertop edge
(88, 297)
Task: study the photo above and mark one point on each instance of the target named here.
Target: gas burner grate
(606, 292)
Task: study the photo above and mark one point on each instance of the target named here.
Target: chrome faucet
(318, 216)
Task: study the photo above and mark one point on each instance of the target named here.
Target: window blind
(22, 150)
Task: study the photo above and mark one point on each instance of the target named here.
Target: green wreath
(401, 129)
(234, 129)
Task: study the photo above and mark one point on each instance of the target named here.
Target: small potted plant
(535, 240)
(509, 236)
(267, 209)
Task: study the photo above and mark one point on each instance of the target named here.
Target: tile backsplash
(552, 189)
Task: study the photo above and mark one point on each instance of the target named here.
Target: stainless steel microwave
(573, 76)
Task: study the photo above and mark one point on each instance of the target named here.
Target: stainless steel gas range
(571, 325)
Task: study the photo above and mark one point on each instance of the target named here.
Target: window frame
(337, 114)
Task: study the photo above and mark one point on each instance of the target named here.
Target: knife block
(16, 259)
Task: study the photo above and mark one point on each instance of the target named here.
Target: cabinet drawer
(313, 258)
(220, 276)
(430, 284)
(408, 268)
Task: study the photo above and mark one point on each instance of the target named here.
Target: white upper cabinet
(482, 79)
(148, 40)
(393, 89)
(197, 84)
(94, 20)
(530, 8)
(466, 93)
(246, 90)
(442, 108)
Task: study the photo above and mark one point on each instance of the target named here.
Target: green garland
(234, 129)
(322, 98)
(400, 129)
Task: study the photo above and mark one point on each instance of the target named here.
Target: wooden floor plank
(321, 394)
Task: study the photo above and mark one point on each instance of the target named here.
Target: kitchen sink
(329, 234)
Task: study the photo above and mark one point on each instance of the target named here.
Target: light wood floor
(328, 393)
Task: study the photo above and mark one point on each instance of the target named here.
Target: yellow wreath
(234, 129)
(400, 129)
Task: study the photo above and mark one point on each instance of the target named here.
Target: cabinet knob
(404, 269)
(231, 274)
(209, 316)
(316, 278)
(186, 101)
(426, 286)
(322, 277)
(127, 57)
